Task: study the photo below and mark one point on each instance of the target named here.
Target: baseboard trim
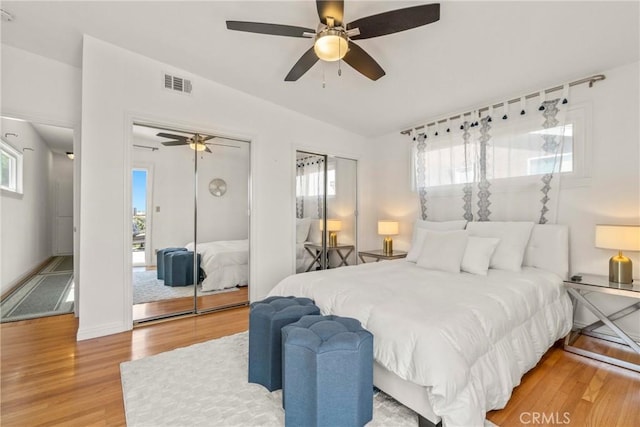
(101, 330)
(25, 278)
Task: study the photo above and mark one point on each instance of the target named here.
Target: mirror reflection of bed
(163, 278)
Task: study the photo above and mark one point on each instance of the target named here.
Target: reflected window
(11, 168)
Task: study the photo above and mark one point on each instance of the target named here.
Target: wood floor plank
(49, 379)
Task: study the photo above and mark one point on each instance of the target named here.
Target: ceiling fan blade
(333, 9)
(171, 143)
(172, 136)
(222, 145)
(395, 21)
(207, 150)
(363, 62)
(206, 137)
(272, 29)
(303, 65)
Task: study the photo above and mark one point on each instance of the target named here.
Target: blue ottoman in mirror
(160, 260)
(266, 320)
(327, 372)
(178, 268)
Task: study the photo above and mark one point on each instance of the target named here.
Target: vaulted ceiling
(477, 53)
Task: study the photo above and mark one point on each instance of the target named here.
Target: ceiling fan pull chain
(324, 83)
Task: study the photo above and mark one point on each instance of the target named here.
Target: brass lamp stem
(387, 247)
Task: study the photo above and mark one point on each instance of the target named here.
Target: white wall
(25, 228)
(610, 195)
(119, 86)
(219, 218)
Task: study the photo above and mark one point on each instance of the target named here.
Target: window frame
(16, 172)
(580, 116)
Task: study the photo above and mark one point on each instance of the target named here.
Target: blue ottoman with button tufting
(266, 319)
(327, 372)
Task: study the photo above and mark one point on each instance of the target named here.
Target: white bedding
(224, 262)
(467, 338)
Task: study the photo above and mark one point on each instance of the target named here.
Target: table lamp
(333, 225)
(619, 237)
(387, 229)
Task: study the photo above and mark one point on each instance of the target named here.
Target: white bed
(224, 262)
(451, 346)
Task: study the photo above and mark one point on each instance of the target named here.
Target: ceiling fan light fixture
(331, 45)
(200, 146)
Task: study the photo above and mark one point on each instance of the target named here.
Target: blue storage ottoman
(178, 268)
(327, 372)
(160, 260)
(266, 319)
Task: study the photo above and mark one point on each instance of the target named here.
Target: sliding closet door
(223, 224)
(310, 253)
(162, 218)
(342, 211)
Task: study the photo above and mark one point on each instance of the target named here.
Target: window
(514, 152)
(11, 168)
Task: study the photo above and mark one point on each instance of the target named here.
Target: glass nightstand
(589, 283)
(379, 254)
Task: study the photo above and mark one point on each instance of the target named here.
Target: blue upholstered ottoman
(327, 372)
(266, 319)
(160, 260)
(178, 268)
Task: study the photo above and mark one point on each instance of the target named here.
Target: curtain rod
(591, 80)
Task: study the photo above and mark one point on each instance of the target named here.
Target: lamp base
(333, 239)
(620, 269)
(387, 247)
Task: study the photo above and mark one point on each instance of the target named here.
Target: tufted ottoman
(327, 372)
(160, 259)
(178, 268)
(266, 319)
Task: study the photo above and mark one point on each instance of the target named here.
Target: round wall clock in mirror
(217, 187)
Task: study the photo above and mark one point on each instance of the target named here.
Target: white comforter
(224, 263)
(467, 338)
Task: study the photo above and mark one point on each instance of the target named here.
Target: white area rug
(147, 288)
(206, 385)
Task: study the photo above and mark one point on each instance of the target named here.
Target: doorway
(37, 169)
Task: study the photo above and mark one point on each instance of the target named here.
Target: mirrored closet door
(190, 222)
(326, 212)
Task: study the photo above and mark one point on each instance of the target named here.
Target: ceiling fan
(334, 38)
(197, 142)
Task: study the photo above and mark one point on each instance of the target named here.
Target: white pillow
(513, 236)
(477, 255)
(302, 229)
(443, 250)
(418, 234)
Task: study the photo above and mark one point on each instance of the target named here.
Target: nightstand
(593, 283)
(379, 254)
(315, 250)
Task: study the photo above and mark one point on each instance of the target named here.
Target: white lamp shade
(618, 237)
(388, 228)
(332, 225)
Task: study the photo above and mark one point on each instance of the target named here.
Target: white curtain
(475, 152)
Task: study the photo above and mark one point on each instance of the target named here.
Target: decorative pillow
(443, 250)
(302, 229)
(477, 255)
(513, 236)
(418, 234)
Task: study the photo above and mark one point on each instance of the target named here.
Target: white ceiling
(59, 139)
(477, 53)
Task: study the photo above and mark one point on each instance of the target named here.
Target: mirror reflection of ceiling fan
(334, 38)
(197, 142)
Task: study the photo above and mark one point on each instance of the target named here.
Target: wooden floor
(47, 378)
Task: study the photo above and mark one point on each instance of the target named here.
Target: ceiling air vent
(176, 83)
